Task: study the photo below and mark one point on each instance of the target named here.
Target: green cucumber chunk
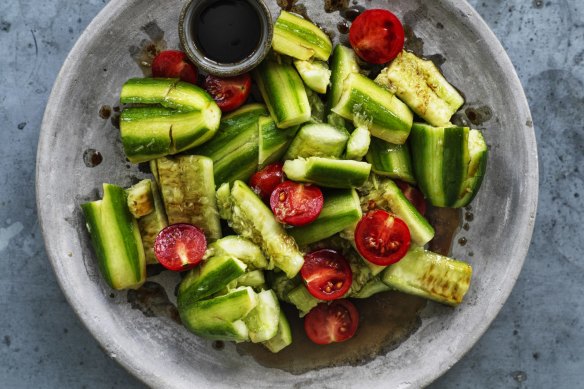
(478, 154)
(390, 197)
(273, 141)
(299, 38)
(440, 156)
(252, 219)
(429, 275)
(188, 191)
(341, 210)
(327, 172)
(281, 285)
(358, 144)
(316, 107)
(140, 198)
(374, 286)
(421, 85)
(151, 132)
(301, 298)
(205, 280)
(262, 321)
(151, 224)
(391, 160)
(374, 107)
(315, 74)
(254, 278)
(223, 197)
(241, 248)
(343, 63)
(220, 318)
(283, 91)
(235, 148)
(116, 239)
(317, 140)
(283, 337)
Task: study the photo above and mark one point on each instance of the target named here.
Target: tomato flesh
(377, 36)
(296, 204)
(174, 64)
(265, 181)
(382, 238)
(230, 92)
(413, 195)
(327, 274)
(180, 246)
(335, 322)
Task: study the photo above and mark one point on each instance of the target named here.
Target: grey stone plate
(164, 354)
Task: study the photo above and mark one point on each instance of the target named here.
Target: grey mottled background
(536, 341)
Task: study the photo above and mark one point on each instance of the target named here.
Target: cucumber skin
(388, 159)
(440, 159)
(252, 219)
(212, 276)
(151, 224)
(235, 147)
(283, 337)
(283, 92)
(343, 63)
(331, 173)
(477, 170)
(273, 141)
(384, 115)
(299, 38)
(430, 275)
(116, 239)
(220, 318)
(341, 210)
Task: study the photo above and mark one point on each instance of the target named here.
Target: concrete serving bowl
(147, 341)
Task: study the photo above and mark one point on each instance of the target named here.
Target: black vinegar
(227, 31)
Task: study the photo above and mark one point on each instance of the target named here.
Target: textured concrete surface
(535, 342)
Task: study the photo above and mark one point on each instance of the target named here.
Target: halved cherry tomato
(334, 322)
(180, 246)
(174, 64)
(327, 274)
(229, 93)
(296, 204)
(265, 181)
(377, 36)
(414, 195)
(382, 238)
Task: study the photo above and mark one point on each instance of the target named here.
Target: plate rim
(150, 378)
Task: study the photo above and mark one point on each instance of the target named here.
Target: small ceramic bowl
(188, 40)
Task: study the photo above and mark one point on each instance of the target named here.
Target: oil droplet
(105, 112)
(466, 226)
(92, 157)
(335, 5)
(115, 119)
(462, 241)
(343, 27)
(479, 115)
(468, 216)
(352, 13)
(471, 253)
(218, 345)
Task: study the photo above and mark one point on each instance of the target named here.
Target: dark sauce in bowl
(239, 33)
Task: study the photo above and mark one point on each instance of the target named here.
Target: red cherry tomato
(327, 274)
(180, 246)
(377, 36)
(265, 181)
(174, 64)
(414, 195)
(382, 238)
(296, 204)
(229, 93)
(334, 322)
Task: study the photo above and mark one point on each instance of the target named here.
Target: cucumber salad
(312, 195)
